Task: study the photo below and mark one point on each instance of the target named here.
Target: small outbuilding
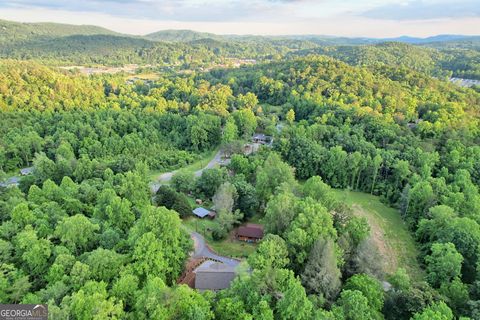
(26, 171)
(202, 213)
(213, 275)
(250, 232)
(261, 138)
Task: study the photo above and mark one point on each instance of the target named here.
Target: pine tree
(321, 275)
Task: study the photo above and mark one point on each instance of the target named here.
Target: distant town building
(414, 124)
(465, 82)
(213, 275)
(262, 139)
(202, 213)
(250, 232)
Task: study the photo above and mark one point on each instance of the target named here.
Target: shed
(250, 232)
(26, 171)
(260, 138)
(213, 275)
(202, 213)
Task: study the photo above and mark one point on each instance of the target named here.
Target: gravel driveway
(203, 251)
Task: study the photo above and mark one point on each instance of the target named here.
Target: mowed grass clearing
(389, 232)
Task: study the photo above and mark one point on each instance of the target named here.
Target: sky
(351, 18)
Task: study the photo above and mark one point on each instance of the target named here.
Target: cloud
(173, 10)
(353, 26)
(377, 18)
(425, 10)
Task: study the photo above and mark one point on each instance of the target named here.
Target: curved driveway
(203, 251)
(167, 176)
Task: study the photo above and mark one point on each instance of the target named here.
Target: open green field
(201, 163)
(228, 247)
(389, 232)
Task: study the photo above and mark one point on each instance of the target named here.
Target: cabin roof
(26, 171)
(201, 212)
(213, 275)
(251, 230)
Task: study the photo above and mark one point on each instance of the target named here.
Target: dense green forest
(438, 62)
(181, 36)
(17, 32)
(84, 233)
(120, 50)
(56, 44)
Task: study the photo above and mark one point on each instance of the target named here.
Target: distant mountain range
(83, 45)
(16, 31)
(438, 38)
(189, 35)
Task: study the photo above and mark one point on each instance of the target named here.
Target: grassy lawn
(201, 163)
(388, 230)
(233, 248)
(228, 247)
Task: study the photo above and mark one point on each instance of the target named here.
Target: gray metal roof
(12, 181)
(213, 275)
(201, 212)
(260, 136)
(214, 266)
(26, 171)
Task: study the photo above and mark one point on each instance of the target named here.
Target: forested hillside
(83, 229)
(58, 44)
(120, 50)
(15, 31)
(181, 35)
(390, 53)
(438, 62)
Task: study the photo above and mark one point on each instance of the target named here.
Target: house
(26, 171)
(202, 213)
(261, 138)
(250, 232)
(10, 182)
(413, 125)
(213, 275)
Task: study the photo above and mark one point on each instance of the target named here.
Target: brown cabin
(250, 232)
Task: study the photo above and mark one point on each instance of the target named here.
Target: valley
(193, 175)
